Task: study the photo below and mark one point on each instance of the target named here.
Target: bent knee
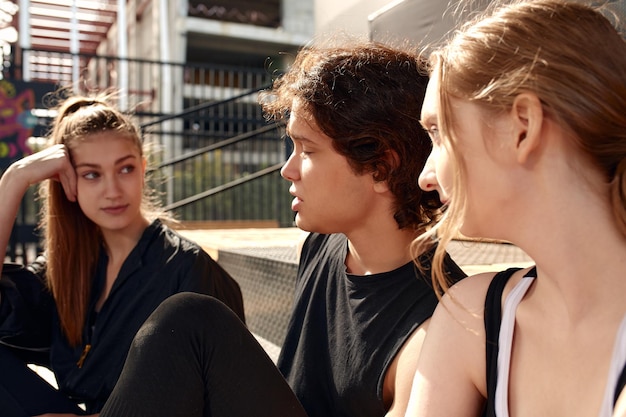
(187, 312)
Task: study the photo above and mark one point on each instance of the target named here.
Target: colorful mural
(17, 122)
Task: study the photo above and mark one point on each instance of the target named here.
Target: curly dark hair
(368, 98)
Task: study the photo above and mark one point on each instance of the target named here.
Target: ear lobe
(381, 187)
(527, 113)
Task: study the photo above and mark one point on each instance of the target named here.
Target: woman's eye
(90, 175)
(433, 132)
(127, 169)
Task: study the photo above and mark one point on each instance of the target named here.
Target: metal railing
(214, 156)
(233, 178)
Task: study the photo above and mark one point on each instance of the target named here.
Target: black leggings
(193, 357)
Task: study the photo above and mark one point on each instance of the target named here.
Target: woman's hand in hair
(51, 163)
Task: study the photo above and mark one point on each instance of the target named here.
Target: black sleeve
(227, 290)
(26, 306)
(219, 282)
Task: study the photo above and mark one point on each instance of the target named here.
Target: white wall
(350, 17)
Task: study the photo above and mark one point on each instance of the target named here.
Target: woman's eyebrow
(93, 165)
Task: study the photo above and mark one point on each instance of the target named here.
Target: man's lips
(295, 203)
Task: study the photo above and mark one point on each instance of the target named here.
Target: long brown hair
(71, 240)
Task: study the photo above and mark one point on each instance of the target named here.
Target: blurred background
(190, 72)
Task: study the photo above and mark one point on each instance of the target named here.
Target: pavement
(472, 256)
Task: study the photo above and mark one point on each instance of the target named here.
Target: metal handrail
(202, 106)
(216, 146)
(224, 187)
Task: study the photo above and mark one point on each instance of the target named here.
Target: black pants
(23, 393)
(194, 358)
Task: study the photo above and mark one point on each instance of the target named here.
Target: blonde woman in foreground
(526, 109)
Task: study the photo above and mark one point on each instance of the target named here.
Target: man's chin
(299, 222)
(302, 224)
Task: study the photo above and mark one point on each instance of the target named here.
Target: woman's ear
(527, 114)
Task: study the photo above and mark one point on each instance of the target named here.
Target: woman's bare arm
(53, 163)
(450, 378)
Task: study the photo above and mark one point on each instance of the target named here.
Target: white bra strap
(505, 345)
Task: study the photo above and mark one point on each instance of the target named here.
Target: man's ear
(381, 186)
(527, 115)
(393, 160)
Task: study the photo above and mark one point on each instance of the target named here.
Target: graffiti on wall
(17, 121)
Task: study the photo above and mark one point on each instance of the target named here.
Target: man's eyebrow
(301, 139)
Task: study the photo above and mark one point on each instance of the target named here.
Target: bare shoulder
(457, 321)
(475, 282)
(399, 375)
(453, 352)
(469, 294)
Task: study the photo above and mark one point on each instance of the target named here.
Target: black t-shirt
(346, 329)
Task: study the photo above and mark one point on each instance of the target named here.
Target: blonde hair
(71, 240)
(569, 55)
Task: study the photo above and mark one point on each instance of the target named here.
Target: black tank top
(493, 319)
(346, 329)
